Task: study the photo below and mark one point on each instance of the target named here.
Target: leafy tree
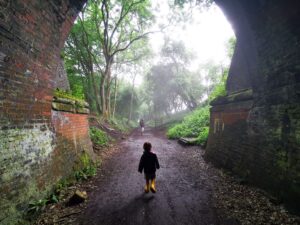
(119, 24)
(127, 101)
(82, 59)
(106, 34)
(176, 53)
(193, 3)
(170, 84)
(231, 46)
(211, 73)
(219, 87)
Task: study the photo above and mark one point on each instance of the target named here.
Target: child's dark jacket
(148, 163)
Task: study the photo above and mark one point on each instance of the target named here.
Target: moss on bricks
(21, 151)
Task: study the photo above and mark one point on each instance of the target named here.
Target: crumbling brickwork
(260, 138)
(38, 146)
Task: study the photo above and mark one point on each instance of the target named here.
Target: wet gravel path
(184, 189)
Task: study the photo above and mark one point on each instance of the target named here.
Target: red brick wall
(70, 126)
(72, 138)
(32, 35)
(33, 154)
(227, 133)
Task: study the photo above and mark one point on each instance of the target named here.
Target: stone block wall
(262, 143)
(38, 145)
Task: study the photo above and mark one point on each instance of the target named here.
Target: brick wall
(260, 140)
(72, 137)
(34, 151)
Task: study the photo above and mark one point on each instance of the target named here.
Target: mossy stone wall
(263, 145)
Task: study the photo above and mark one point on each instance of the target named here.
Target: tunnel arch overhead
(259, 117)
(263, 85)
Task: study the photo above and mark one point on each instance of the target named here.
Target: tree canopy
(106, 33)
(108, 51)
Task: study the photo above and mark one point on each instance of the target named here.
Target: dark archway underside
(255, 130)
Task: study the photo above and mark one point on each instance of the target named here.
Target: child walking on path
(142, 125)
(149, 163)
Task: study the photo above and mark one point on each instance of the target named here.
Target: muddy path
(184, 189)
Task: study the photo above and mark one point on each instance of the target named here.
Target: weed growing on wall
(88, 168)
(79, 101)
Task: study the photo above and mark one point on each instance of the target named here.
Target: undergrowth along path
(188, 190)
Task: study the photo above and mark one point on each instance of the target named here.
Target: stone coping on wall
(243, 95)
(70, 105)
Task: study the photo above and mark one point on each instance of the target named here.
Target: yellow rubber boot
(152, 187)
(147, 187)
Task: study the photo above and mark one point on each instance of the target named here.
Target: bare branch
(132, 41)
(122, 16)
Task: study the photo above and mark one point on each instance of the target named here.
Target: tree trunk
(115, 97)
(131, 99)
(108, 102)
(87, 93)
(102, 94)
(105, 86)
(96, 93)
(108, 94)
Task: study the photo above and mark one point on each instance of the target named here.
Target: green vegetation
(170, 86)
(37, 206)
(86, 172)
(169, 120)
(196, 124)
(203, 135)
(62, 184)
(99, 137)
(106, 36)
(127, 103)
(219, 89)
(193, 125)
(68, 95)
(108, 52)
(220, 86)
(122, 124)
(88, 167)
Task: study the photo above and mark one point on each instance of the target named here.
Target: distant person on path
(142, 125)
(149, 163)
